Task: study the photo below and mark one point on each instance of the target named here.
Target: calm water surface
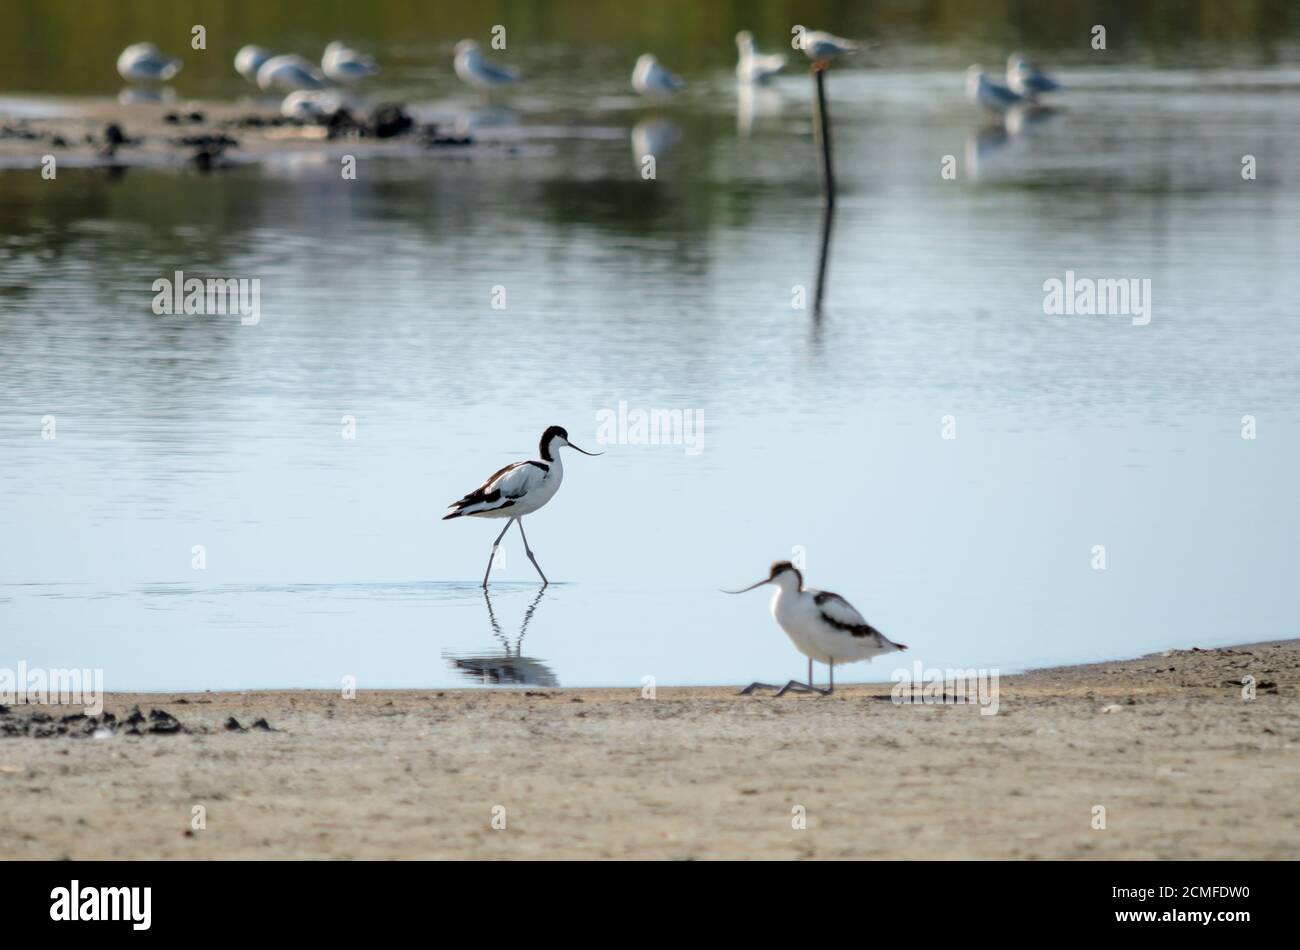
(326, 558)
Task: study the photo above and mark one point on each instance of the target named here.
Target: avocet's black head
(556, 437)
(781, 567)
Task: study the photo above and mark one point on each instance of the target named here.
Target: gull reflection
(145, 95)
(486, 117)
(982, 146)
(654, 137)
(509, 667)
(751, 101)
(1021, 122)
(1025, 120)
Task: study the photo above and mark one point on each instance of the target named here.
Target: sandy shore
(1183, 764)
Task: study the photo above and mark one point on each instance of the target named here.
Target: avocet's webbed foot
(797, 687)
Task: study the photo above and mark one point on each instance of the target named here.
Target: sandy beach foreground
(1184, 765)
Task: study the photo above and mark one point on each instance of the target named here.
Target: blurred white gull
(475, 70)
(307, 104)
(346, 65)
(290, 72)
(1025, 79)
(822, 47)
(141, 62)
(249, 60)
(754, 66)
(985, 92)
(650, 78)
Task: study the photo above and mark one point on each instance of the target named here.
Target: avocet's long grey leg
(530, 553)
(832, 689)
(493, 556)
(753, 686)
(810, 680)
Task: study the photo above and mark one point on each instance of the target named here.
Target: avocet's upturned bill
(345, 65)
(822, 47)
(290, 72)
(985, 92)
(753, 66)
(518, 490)
(823, 627)
(249, 60)
(141, 62)
(651, 78)
(475, 70)
(1026, 80)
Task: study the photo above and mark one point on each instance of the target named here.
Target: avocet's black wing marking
(842, 615)
(501, 490)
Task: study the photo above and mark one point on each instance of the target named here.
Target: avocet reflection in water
(509, 667)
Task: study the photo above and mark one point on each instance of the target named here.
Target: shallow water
(822, 436)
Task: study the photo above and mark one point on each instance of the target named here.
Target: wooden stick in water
(822, 134)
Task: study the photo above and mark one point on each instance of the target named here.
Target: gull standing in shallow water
(650, 78)
(823, 626)
(249, 60)
(754, 66)
(141, 62)
(1025, 79)
(290, 73)
(518, 490)
(985, 92)
(308, 104)
(475, 70)
(343, 64)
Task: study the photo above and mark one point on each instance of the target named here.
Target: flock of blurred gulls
(343, 66)
(312, 91)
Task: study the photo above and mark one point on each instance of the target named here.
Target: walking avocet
(518, 490)
(823, 627)
(752, 65)
(1025, 79)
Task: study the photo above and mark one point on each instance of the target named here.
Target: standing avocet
(518, 490)
(823, 627)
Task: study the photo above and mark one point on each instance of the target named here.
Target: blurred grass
(70, 46)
